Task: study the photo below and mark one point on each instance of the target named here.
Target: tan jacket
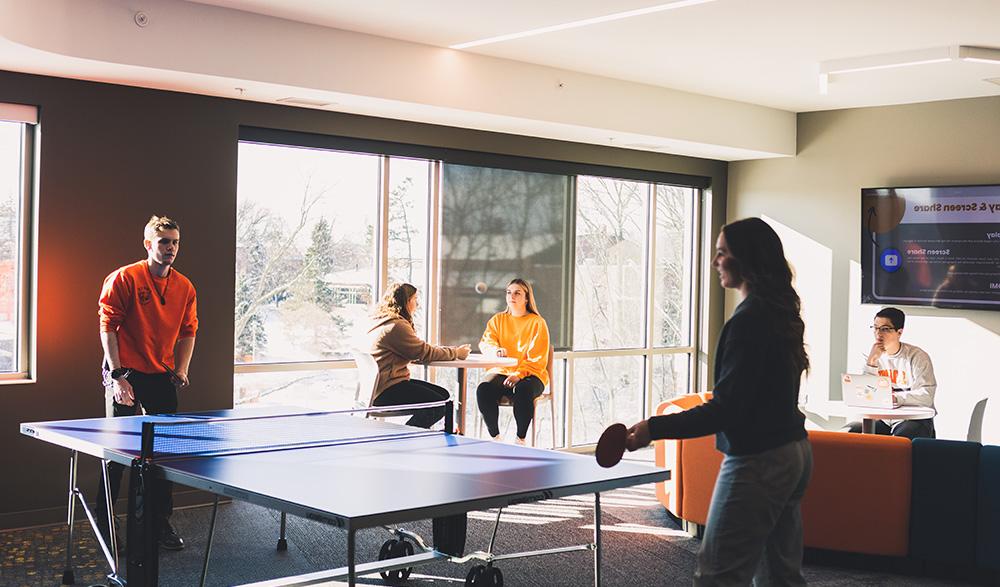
(395, 345)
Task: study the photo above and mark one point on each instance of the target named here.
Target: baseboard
(183, 498)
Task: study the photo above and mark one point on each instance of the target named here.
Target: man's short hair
(894, 315)
(158, 223)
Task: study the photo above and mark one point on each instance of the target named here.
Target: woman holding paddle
(754, 528)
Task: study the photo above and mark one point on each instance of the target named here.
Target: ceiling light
(979, 54)
(581, 23)
(905, 59)
(304, 102)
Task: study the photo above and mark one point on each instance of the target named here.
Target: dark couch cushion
(943, 521)
(988, 543)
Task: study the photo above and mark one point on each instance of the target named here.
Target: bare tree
(272, 274)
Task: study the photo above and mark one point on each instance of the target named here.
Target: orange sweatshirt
(130, 306)
(525, 338)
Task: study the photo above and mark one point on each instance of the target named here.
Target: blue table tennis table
(347, 471)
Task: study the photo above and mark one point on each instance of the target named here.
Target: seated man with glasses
(909, 369)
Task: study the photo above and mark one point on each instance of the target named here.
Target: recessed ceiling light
(304, 101)
(905, 59)
(643, 146)
(581, 23)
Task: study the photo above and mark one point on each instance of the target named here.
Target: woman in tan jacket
(394, 345)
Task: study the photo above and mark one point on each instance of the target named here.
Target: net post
(449, 417)
(146, 449)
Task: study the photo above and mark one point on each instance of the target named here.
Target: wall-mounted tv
(931, 246)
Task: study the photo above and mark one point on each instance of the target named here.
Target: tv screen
(931, 246)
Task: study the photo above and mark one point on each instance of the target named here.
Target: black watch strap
(119, 373)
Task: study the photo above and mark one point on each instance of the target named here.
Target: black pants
(907, 428)
(488, 395)
(415, 391)
(157, 395)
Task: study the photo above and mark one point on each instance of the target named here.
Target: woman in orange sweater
(517, 332)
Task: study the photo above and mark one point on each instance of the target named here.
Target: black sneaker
(169, 539)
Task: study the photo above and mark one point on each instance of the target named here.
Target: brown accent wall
(111, 156)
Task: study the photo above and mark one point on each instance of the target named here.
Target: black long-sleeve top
(754, 405)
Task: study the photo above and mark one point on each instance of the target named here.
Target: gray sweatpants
(754, 528)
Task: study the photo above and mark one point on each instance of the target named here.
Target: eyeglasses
(883, 329)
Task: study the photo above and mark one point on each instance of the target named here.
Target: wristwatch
(119, 373)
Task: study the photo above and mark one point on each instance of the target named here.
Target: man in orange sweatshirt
(148, 320)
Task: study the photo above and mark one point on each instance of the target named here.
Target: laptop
(866, 391)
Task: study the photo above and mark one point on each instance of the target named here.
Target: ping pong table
(334, 467)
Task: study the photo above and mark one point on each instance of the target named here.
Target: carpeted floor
(642, 546)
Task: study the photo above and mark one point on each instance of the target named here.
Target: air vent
(305, 102)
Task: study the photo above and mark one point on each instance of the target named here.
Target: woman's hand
(638, 436)
(511, 381)
(462, 351)
(501, 352)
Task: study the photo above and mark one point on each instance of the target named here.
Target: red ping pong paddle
(611, 446)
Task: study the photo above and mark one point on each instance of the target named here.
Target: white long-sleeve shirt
(911, 372)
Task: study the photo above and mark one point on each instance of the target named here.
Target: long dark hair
(761, 265)
(393, 302)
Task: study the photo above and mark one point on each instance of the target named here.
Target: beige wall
(814, 201)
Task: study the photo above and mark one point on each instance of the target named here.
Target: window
(498, 224)
(408, 228)
(610, 268)
(325, 222)
(308, 237)
(17, 124)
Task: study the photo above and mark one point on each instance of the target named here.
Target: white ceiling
(719, 79)
(764, 52)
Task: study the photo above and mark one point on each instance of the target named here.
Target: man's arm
(923, 384)
(182, 358)
(122, 388)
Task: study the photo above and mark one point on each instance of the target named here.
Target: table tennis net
(210, 437)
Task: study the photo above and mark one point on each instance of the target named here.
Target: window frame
(25, 364)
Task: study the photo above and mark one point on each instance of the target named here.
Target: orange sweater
(525, 338)
(147, 330)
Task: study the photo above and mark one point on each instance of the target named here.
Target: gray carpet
(642, 546)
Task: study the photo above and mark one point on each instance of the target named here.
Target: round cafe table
(473, 361)
(869, 416)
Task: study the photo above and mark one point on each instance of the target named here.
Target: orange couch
(858, 499)
(694, 464)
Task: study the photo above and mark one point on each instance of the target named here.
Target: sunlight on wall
(812, 265)
(964, 355)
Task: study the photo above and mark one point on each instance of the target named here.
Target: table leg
(211, 537)
(868, 426)
(597, 540)
(463, 390)
(67, 578)
(351, 571)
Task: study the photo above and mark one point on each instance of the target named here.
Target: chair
(367, 376)
(367, 381)
(976, 421)
(546, 396)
